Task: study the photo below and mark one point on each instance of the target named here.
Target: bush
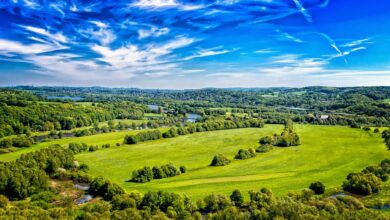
(142, 175)
(21, 142)
(237, 198)
(146, 174)
(317, 187)
(264, 148)
(362, 183)
(93, 148)
(266, 140)
(183, 169)
(220, 160)
(104, 188)
(245, 154)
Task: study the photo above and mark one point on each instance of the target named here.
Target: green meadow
(327, 154)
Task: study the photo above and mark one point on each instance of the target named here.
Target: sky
(182, 44)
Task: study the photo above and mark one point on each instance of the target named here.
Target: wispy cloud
(161, 4)
(287, 37)
(55, 38)
(264, 51)
(303, 10)
(208, 52)
(356, 43)
(152, 32)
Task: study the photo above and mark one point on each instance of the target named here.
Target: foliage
(264, 148)
(317, 187)
(146, 174)
(237, 198)
(143, 136)
(362, 183)
(104, 188)
(245, 154)
(220, 160)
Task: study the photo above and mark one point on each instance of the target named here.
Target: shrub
(183, 169)
(317, 187)
(215, 202)
(245, 154)
(237, 198)
(266, 140)
(366, 128)
(264, 148)
(142, 175)
(93, 148)
(220, 160)
(362, 183)
(21, 142)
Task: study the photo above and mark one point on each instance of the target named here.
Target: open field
(99, 139)
(327, 154)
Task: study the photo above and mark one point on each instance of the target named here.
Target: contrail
(324, 4)
(333, 44)
(303, 10)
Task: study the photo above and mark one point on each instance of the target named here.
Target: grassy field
(327, 154)
(387, 101)
(99, 139)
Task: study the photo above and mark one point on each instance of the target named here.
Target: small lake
(191, 117)
(153, 107)
(73, 98)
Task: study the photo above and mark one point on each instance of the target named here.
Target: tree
(362, 183)
(183, 169)
(317, 187)
(220, 160)
(237, 198)
(266, 140)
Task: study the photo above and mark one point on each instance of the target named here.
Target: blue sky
(195, 44)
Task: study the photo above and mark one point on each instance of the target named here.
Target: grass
(327, 154)
(99, 139)
(155, 115)
(386, 101)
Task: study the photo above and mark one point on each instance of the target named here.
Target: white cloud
(56, 38)
(8, 47)
(156, 4)
(99, 24)
(264, 51)
(287, 37)
(152, 32)
(102, 33)
(132, 55)
(208, 52)
(357, 43)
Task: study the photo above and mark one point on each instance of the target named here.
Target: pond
(86, 197)
(192, 117)
(153, 107)
(73, 98)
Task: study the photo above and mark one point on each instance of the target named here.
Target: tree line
(147, 174)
